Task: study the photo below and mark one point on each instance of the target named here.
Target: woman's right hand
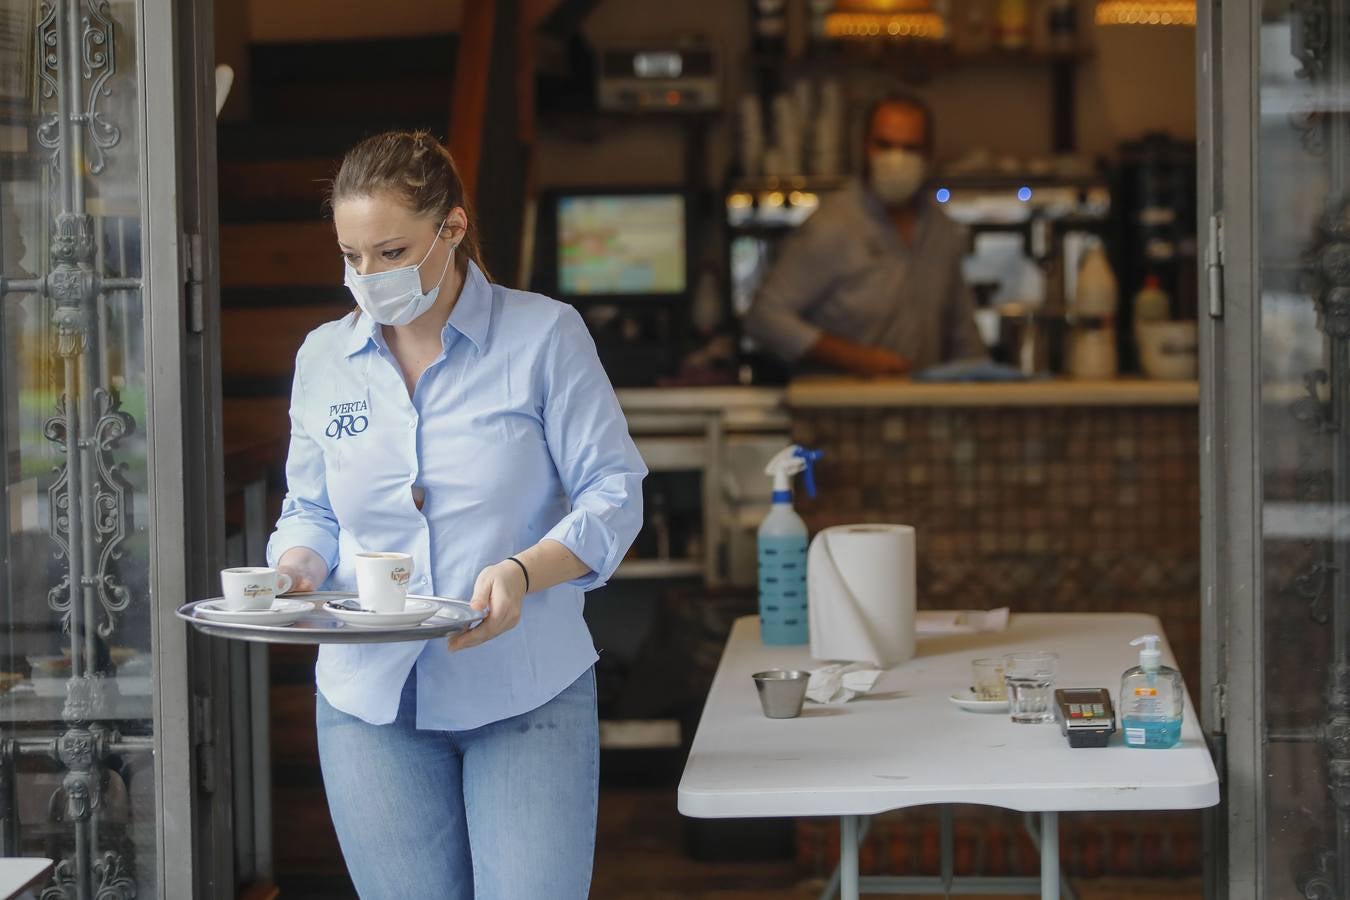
(307, 569)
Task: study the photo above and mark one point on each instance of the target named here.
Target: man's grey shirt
(847, 272)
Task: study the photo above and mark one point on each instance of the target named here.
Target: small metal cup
(781, 692)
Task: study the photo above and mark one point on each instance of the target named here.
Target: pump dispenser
(1151, 699)
(782, 551)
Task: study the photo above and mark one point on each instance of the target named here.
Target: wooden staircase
(281, 276)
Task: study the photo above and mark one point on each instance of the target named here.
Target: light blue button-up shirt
(515, 435)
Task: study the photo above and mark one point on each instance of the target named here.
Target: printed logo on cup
(400, 576)
(257, 590)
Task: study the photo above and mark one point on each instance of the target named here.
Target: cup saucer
(283, 611)
(967, 700)
(415, 612)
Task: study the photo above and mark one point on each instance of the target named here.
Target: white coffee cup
(382, 580)
(252, 587)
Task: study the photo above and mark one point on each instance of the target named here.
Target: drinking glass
(1031, 683)
(986, 678)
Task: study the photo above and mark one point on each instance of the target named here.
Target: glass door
(1277, 442)
(103, 451)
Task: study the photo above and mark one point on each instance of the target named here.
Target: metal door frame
(194, 829)
(1231, 505)
(1232, 487)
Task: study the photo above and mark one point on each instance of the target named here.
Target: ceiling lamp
(885, 20)
(1146, 12)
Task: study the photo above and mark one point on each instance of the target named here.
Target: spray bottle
(1151, 699)
(782, 552)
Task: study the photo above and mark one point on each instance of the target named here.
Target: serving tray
(321, 627)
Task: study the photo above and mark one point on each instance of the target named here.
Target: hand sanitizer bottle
(1151, 699)
(782, 552)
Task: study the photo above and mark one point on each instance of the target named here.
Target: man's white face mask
(897, 175)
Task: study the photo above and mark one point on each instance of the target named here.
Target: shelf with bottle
(927, 59)
(771, 205)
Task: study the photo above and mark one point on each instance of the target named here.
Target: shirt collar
(471, 316)
(473, 311)
(876, 211)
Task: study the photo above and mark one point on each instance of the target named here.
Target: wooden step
(262, 342)
(287, 62)
(279, 253)
(275, 189)
(303, 841)
(293, 734)
(328, 138)
(264, 297)
(401, 101)
(258, 420)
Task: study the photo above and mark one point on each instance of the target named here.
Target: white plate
(283, 611)
(415, 612)
(970, 703)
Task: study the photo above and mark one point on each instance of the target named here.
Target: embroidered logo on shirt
(347, 420)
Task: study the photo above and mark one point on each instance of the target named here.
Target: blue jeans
(502, 812)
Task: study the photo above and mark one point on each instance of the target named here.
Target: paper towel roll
(860, 590)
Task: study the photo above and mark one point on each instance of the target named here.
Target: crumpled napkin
(967, 621)
(840, 682)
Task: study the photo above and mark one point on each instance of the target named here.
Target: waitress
(473, 427)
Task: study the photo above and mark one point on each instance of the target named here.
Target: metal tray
(319, 627)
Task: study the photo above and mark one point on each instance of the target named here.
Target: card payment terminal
(1085, 715)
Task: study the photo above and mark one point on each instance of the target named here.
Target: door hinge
(203, 725)
(1220, 697)
(192, 284)
(1214, 265)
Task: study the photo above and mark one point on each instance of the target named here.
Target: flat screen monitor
(621, 245)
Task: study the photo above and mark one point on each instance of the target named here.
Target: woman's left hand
(500, 590)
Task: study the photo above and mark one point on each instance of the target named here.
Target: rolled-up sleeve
(806, 270)
(307, 518)
(597, 462)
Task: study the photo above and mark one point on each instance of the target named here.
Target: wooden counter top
(699, 399)
(836, 392)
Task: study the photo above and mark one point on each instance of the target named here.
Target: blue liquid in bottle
(782, 589)
(1151, 734)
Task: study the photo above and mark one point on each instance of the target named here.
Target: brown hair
(908, 100)
(418, 168)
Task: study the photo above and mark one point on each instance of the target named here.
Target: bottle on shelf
(1096, 292)
(1014, 24)
(1062, 26)
(1152, 304)
(1092, 341)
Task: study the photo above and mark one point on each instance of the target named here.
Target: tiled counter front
(1042, 509)
(1061, 505)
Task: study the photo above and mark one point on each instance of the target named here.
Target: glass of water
(1031, 686)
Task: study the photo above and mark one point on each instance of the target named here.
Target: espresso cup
(382, 580)
(252, 587)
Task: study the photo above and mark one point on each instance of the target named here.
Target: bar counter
(1056, 496)
(826, 392)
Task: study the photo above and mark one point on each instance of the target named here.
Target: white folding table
(906, 744)
(19, 875)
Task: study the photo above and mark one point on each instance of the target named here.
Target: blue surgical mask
(395, 297)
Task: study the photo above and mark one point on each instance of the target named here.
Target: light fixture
(896, 20)
(1146, 12)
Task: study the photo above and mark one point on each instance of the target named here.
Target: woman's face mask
(395, 297)
(897, 175)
